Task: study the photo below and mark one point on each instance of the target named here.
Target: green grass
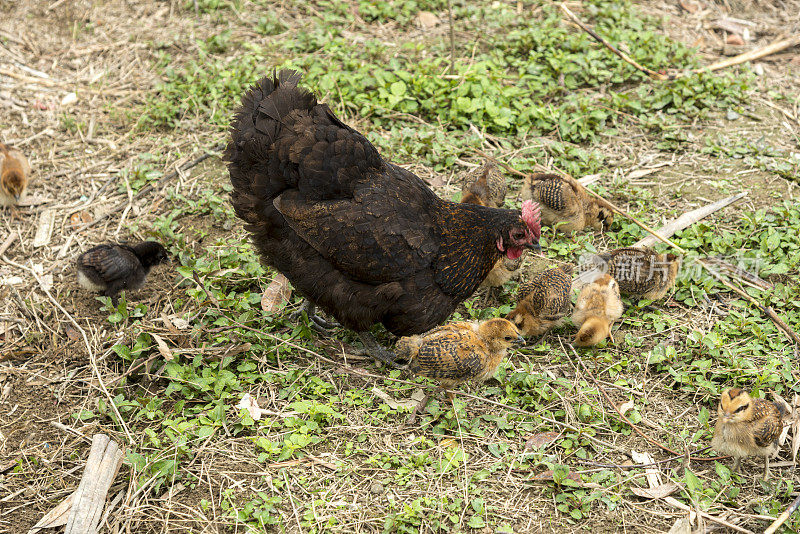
(546, 91)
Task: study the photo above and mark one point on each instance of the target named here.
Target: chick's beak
(519, 341)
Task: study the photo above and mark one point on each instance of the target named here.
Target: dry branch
(105, 459)
(783, 517)
(752, 55)
(625, 57)
(81, 511)
(688, 219)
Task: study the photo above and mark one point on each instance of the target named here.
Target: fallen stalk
(600, 388)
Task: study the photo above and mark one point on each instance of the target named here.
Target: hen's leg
(317, 323)
(375, 350)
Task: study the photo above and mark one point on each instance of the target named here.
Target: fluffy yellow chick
(598, 306)
(747, 427)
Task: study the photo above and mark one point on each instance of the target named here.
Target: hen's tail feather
(281, 138)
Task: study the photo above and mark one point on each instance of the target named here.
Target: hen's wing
(382, 234)
(767, 430)
(110, 262)
(449, 354)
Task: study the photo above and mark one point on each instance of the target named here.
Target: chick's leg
(375, 350)
(737, 463)
(417, 409)
(766, 467)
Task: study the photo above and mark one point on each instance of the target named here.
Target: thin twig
(752, 55)
(150, 187)
(625, 57)
(633, 426)
(92, 357)
(452, 36)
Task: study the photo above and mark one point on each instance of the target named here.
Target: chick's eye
(741, 408)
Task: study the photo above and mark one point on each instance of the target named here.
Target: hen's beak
(534, 247)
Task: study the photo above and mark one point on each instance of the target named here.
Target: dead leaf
(541, 439)
(276, 295)
(69, 99)
(640, 173)
(682, 525)
(427, 20)
(394, 404)
(734, 40)
(625, 407)
(659, 492)
(163, 348)
(728, 25)
(691, 7)
(450, 443)
(79, 218)
(251, 405)
(44, 228)
(73, 334)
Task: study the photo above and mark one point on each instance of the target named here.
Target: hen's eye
(741, 408)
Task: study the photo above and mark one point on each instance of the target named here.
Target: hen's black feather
(364, 239)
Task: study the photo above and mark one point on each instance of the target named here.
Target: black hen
(111, 268)
(364, 239)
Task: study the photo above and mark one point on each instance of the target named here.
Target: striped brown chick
(543, 301)
(598, 306)
(641, 272)
(565, 204)
(747, 427)
(458, 352)
(486, 186)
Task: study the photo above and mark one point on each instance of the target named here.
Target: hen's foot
(317, 323)
(373, 349)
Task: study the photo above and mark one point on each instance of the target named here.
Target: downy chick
(747, 427)
(543, 301)
(458, 352)
(598, 306)
(486, 186)
(111, 268)
(564, 200)
(14, 175)
(641, 272)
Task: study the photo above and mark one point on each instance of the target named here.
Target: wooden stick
(625, 57)
(769, 312)
(8, 242)
(783, 517)
(688, 219)
(751, 55)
